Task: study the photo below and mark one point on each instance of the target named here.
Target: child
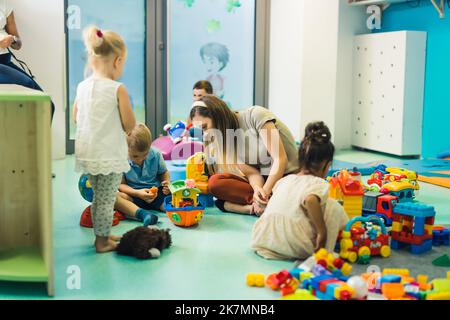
(299, 218)
(148, 170)
(201, 89)
(103, 113)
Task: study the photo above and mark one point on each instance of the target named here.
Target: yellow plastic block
(346, 269)
(441, 285)
(421, 278)
(255, 280)
(406, 279)
(438, 296)
(429, 229)
(300, 294)
(396, 226)
(305, 275)
(448, 275)
(398, 272)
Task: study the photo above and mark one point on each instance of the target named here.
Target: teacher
(252, 150)
(9, 38)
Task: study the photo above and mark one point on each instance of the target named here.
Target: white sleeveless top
(100, 142)
(5, 12)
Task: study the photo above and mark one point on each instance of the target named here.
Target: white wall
(41, 27)
(285, 75)
(311, 63)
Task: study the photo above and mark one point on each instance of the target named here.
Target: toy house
(183, 207)
(349, 191)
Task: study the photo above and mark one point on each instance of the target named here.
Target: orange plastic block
(393, 290)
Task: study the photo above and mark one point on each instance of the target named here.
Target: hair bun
(318, 132)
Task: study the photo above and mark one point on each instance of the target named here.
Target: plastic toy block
(390, 278)
(399, 272)
(415, 209)
(421, 278)
(300, 294)
(424, 247)
(442, 261)
(419, 226)
(255, 280)
(438, 296)
(323, 284)
(441, 285)
(344, 292)
(331, 287)
(287, 291)
(396, 227)
(315, 282)
(296, 273)
(441, 236)
(306, 284)
(393, 290)
(305, 275)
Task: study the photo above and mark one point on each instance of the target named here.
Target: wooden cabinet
(26, 248)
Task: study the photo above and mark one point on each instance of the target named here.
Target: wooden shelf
(26, 245)
(374, 2)
(23, 265)
(439, 5)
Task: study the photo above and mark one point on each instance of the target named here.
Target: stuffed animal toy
(144, 243)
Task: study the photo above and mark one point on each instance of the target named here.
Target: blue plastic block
(324, 296)
(316, 280)
(419, 226)
(390, 278)
(441, 238)
(306, 284)
(424, 247)
(296, 273)
(415, 209)
(330, 289)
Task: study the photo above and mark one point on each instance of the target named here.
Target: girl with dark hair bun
(300, 218)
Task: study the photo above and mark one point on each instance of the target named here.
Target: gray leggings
(102, 209)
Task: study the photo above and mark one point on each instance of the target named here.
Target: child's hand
(147, 195)
(165, 185)
(321, 241)
(260, 197)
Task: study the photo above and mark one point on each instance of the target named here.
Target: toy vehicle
(358, 244)
(401, 189)
(182, 207)
(380, 205)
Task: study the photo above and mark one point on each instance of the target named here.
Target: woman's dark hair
(204, 85)
(316, 148)
(223, 119)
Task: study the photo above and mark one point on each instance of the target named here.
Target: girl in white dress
(299, 218)
(104, 116)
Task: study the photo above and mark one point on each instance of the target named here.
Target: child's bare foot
(115, 238)
(237, 208)
(105, 244)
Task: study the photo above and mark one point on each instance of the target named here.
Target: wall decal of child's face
(137, 157)
(198, 94)
(213, 65)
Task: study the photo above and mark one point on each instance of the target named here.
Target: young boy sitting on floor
(145, 186)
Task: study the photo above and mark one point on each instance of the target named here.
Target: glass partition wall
(171, 45)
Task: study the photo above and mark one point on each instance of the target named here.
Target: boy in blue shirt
(137, 192)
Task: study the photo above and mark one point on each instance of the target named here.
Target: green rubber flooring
(206, 262)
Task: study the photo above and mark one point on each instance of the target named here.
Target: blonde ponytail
(103, 43)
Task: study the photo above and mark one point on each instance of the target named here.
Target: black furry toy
(144, 243)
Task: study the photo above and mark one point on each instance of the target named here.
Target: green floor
(207, 262)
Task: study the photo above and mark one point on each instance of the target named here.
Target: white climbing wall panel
(388, 89)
